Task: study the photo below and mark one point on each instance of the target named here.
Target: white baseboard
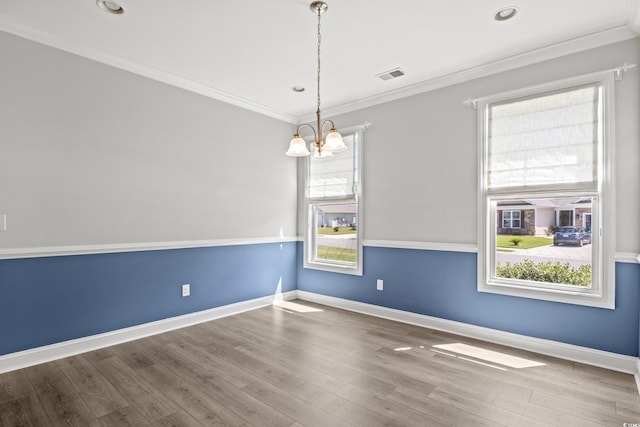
(23, 359)
(603, 359)
(613, 361)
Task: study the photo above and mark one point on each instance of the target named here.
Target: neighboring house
(537, 216)
(337, 216)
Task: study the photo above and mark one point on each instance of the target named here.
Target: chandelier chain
(319, 39)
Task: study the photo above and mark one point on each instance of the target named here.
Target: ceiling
(252, 53)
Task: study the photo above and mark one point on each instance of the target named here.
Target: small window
(511, 219)
(545, 185)
(333, 240)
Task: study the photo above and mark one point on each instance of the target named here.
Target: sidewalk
(563, 252)
(574, 255)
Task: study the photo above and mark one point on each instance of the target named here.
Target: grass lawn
(336, 254)
(528, 242)
(341, 230)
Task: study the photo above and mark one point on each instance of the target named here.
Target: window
(511, 219)
(333, 240)
(547, 150)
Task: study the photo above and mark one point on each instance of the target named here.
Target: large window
(547, 150)
(333, 240)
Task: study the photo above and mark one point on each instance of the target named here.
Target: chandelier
(324, 147)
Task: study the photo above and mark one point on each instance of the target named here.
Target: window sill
(334, 268)
(590, 299)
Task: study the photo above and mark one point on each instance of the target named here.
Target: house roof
(340, 209)
(563, 202)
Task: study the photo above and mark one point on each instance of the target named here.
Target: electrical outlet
(186, 290)
(379, 284)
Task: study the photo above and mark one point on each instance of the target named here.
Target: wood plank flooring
(302, 364)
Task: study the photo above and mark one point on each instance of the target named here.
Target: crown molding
(578, 44)
(613, 35)
(85, 51)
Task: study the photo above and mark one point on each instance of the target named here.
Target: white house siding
(545, 218)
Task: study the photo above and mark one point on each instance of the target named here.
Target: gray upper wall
(91, 155)
(420, 154)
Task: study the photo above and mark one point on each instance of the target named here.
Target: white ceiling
(252, 52)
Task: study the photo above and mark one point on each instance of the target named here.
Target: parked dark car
(571, 236)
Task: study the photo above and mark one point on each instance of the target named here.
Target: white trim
(628, 257)
(425, 246)
(603, 359)
(85, 51)
(579, 44)
(23, 359)
(17, 253)
(623, 257)
(636, 374)
(133, 247)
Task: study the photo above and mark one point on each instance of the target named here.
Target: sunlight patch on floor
(298, 308)
(488, 355)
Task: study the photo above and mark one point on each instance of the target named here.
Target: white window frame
(602, 292)
(311, 205)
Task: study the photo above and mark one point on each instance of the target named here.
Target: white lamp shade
(297, 147)
(333, 142)
(321, 155)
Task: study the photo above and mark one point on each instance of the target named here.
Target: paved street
(345, 241)
(574, 255)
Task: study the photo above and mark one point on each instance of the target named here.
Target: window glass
(336, 232)
(543, 254)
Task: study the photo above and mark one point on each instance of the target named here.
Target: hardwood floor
(302, 364)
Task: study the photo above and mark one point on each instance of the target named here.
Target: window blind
(549, 139)
(334, 177)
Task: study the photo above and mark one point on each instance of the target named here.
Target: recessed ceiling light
(298, 89)
(110, 6)
(505, 13)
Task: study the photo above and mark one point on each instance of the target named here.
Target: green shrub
(516, 240)
(548, 272)
(336, 229)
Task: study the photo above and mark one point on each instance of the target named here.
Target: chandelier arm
(333, 126)
(315, 134)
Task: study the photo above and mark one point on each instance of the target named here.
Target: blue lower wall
(443, 284)
(54, 299)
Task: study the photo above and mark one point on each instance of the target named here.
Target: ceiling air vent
(391, 74)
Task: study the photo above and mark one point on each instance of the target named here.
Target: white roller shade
(550, 139)
(334, 177)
